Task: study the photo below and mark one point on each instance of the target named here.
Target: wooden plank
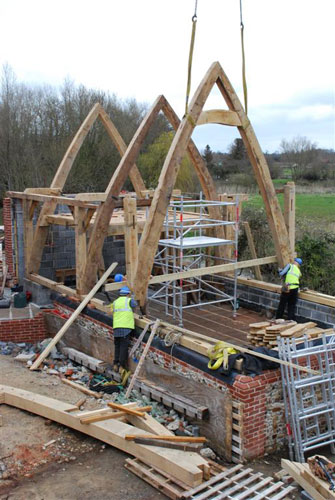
(90, 419)
(219, 116)
(252, 249)
(176, 439)
(81, 388)
(320, 485)
(185, 466)
(139, 340)
(297, 330)
(294, 470)
(43, 190)
(143, 356)
(73, 317)
(130, 411)
(202, 271)
(169, 444)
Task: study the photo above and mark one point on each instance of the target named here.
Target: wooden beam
(80, 246)
(260, 167)
(28, 231)
(57, 200)
(53, 285)
(252, 249)
(134, 174)
(202, 271)
(105, 211)
(219, 116)
(45, 190)
(183, 466)
(73, 317)
(289, 212)
(130, 238)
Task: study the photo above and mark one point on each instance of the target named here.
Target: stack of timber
(234, 483)
(266, 333)
(317, 488)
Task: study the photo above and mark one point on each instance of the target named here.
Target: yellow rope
(190, 57)
(244, 80)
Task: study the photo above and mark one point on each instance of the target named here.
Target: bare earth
(74, 467)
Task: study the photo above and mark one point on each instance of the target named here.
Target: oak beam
(130, 238)
(219, 116)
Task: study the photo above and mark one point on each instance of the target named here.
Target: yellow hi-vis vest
(292, 277)
(123, 316)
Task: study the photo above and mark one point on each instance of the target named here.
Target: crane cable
(190, 57)
(244, 80)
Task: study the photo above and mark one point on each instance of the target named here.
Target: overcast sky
(140, 49)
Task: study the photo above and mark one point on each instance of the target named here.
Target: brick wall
(9, 239)
(23, 330)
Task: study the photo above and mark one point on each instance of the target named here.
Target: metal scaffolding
(309, 399)
(188, 244)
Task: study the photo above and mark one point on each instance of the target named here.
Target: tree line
(38, 122)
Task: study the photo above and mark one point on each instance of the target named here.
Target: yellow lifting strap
(218, 355)
(244, 80)
(190, 56)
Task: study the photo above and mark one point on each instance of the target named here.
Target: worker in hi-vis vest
(289, 294)
(123, 325)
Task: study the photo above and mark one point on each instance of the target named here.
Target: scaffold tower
(191, 243)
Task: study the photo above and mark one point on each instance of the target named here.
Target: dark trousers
(290, 299)
(121, 345)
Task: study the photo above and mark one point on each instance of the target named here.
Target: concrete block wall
(59, 251)
(264, 300)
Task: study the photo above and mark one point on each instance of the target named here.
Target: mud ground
(44, 460)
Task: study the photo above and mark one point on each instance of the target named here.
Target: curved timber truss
(89, 252)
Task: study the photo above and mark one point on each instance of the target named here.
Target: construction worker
(123, 324)
(289, 294)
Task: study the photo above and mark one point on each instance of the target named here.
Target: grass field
(312, 206)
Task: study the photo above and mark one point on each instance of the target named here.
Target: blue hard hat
(118, 277)
(124, 290)
(298, 260)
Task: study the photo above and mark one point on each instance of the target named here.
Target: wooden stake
(72, 318)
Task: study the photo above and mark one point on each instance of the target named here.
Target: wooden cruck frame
(89, 250)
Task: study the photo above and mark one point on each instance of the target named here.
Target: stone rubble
(57, 364)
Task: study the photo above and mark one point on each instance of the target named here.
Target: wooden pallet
(236, 483)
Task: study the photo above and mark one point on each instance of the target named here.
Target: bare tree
(299, 153)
